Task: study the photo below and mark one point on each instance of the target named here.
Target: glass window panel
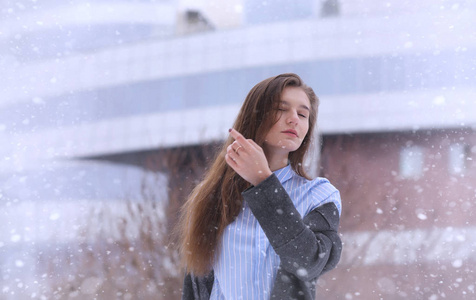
(458, 158)
(411, 162)
(393, 75)
(371, 74)
(346, 78)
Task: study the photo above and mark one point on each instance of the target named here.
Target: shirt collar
(284, 174)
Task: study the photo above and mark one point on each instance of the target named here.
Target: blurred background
(111, 110)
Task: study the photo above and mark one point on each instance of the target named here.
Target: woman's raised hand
(247, 159)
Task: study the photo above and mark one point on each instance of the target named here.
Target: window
(411, 162)
(330, 8)
(458, 158)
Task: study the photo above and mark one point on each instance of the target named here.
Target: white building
(96, 79)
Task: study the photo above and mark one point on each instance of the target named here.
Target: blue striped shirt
(246, 264)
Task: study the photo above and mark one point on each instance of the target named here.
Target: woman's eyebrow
(301, 106)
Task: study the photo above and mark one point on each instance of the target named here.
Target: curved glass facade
(259, 12)
(359, 75)
(54, 29)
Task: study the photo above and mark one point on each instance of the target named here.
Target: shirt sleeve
(322, 191)
(307, 246)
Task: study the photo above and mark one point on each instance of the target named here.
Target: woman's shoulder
(325, 192)
(322, 182)
(318, 184)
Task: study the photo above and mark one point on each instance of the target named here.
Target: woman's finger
(237, 147)
(240, 138)
(253, 143)
(234, 149)
(230, 151)
(231, 162)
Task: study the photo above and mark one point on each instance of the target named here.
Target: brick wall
(405, 238)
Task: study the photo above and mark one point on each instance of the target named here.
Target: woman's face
(287, 134)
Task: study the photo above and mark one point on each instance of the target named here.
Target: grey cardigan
(307, 247)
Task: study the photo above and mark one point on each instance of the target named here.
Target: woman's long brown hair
(217, 200)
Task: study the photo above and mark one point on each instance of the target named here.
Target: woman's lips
(290, 132)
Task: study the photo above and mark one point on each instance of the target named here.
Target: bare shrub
(122, 254)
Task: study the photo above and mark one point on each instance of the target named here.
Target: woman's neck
(277, 161)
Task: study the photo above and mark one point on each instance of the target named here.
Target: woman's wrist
(261, 177)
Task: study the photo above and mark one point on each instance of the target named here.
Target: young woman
(257, 227)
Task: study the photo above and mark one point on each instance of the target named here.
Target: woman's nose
(293, 118)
